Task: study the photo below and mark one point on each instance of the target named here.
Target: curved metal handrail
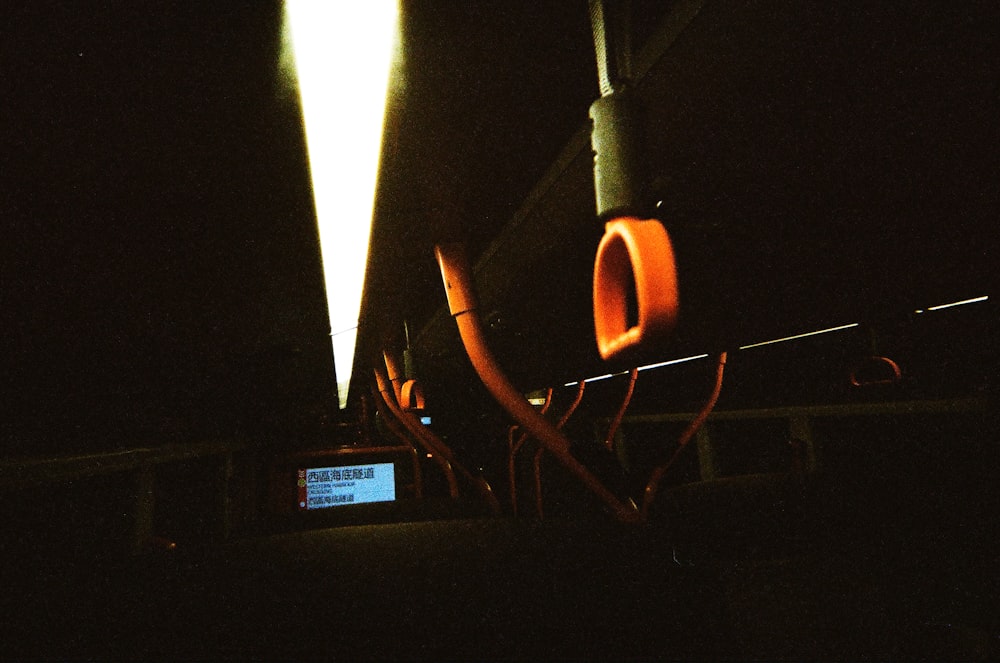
(413, 424)
(385, 390)
(895, 374)
(609, 440)
(537, 461)
(654, 480)
(513, 447)
(462, 304)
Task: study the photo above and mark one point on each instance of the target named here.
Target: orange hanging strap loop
(411, 396)
(635, 255)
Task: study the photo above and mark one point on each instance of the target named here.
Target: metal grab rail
(890, 408)
(140, 464)
(390, 421)
(537, 461)
(462, 304)
(608, 442)
(410, 421)
(385, 390)
(609, 439)
(515, 446)
(799, 419)
(23, 472)
(654, 480)
(894, 375)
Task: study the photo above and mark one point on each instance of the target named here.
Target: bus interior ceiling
(167, 368)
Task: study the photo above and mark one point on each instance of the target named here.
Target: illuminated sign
(324, 487)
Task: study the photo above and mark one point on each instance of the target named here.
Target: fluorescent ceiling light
(343, 54)
(797, 336)
(974, 300)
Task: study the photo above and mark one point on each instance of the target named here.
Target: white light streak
(974, 300)
(661, 364)
(797, 336)
(595, 379)
(641, 368)
(671, 362)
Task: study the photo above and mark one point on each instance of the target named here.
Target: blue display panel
(325, 487)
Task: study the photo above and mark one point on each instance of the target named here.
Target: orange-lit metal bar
(398, 432)
(696, 423)
(514, 446)
(512, 449)
(609, 440)
(462, 303)
(390, 421)
(413, 424)
(395, 374)
(537, 464)
(365, 419)
(411, 396)
(581, 386)
(385, 390)
(409, 393)
(539, 502)
(893, 376)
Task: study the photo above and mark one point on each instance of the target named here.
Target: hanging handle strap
(610, 21)
(635, 256)
(635, 259)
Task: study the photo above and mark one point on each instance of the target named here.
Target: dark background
(818, 164)
(161, 273)
(161, 280)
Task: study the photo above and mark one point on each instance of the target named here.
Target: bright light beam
(670, 363)
(641, 368)
(606, 376)
(974, 300)
(342, 60)
(797, 336)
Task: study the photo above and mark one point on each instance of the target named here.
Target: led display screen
(325, 487)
